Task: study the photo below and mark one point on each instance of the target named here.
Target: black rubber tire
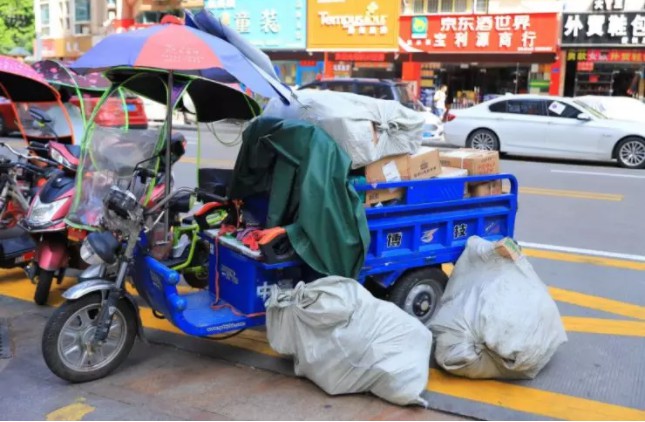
(434, 278)
(493, 135)
(3, 128)
(200, 258)
(195, 281)
(56, 323)
(621, 144)
(43, 285)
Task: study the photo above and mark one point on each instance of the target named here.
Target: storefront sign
(279, 25)
(509, 33)
(606, 56)
(359, 57)
(361, 25)
(68, 47)
(608, 5)
(603, 29)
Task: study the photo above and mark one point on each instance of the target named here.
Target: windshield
(589, 109)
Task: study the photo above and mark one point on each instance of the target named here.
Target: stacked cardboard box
(424, 164)
(476, 163)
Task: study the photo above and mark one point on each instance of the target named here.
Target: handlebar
(199, 193)
(204, 196)
(27, 157)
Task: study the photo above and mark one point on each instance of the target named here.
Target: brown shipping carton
(477, 162)
(373, 197)
(425, 164)
(447, 172)
(485, 189)
(388, 169)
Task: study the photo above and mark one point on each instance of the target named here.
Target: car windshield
(589, 109)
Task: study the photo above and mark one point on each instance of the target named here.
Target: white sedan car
(619, 108)
(544, 126)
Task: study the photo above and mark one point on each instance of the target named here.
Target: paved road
(582, 228)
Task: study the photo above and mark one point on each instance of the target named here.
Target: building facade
(603, 45)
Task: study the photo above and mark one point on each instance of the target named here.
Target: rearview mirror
(39, 115)
(584, 117)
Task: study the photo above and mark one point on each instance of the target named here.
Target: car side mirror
(584, 117)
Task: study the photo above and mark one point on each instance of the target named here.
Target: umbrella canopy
(212, 101)
(58, 73)
(21, 83)
(173, 47)
(205, 21)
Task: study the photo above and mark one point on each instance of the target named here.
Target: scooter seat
(12, 233)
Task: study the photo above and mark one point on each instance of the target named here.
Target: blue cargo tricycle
(92, 333)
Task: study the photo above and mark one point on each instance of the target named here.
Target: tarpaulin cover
(306, 174)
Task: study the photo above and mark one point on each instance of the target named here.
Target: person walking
(439, 101)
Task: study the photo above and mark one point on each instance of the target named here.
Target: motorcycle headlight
(58, 157)
(89, 255)
(44, 213)
(99, 248)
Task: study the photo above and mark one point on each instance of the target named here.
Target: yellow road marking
(584, 259)
(71, 412)
(519, 398)
(530, 400)
(604, 326)
(598, 303)
(571, 194)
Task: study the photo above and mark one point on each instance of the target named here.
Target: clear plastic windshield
(112, 149)
(56, 121)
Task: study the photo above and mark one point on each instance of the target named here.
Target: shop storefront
(605, 53)
(480, 55)
(358, 37)
(275, 27)
(66, 48)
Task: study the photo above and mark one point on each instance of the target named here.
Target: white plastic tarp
(367, 129)
(496, 318)
(346, 341)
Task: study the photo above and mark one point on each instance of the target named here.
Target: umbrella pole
(167, 170)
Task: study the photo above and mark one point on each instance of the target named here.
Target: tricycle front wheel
(68, 346)
(418, 292)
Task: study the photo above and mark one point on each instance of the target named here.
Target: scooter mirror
(40, 115)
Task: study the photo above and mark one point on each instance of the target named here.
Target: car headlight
(89, 255)
(43, 213)
(58, 157)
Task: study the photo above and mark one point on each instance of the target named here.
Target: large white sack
(347, 341)
(352, 121)
(496, 318)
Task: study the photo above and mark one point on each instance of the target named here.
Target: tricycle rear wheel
(418, 292)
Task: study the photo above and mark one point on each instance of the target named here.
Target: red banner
(504, 33)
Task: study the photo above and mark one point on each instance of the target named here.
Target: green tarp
(306, 174)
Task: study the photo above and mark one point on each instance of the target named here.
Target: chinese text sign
(279, 25)
(509, 33)
(603, 29)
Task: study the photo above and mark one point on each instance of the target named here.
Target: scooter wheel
(67, 340)
(43, 285)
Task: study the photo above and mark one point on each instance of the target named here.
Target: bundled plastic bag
(367, 129)
(496, 318)
(347, 341)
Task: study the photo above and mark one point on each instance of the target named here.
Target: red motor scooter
(58, 245)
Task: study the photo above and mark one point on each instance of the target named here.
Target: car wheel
(631, 153)
(483, 139)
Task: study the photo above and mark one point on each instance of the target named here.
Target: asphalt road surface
(580, 224)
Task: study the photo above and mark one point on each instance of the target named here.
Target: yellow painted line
(604, 326)
(529, 400)
(598, 303)
(584, 259)
(571, 194)
(71, 412)
(519, 398)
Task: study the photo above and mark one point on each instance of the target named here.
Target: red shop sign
(359, 57)
(502, 33)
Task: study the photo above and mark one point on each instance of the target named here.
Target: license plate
(131, 107)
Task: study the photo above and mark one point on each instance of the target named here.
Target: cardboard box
(447, 172)
(477, 162)
(373, 197)
(477, 190)
(422, 165)
(425, 164)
